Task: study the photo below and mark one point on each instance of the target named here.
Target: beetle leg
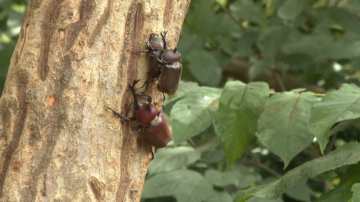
(132, 89)
(146, 83)
(149, 98)
(163, 35)
(140, 127)
(122, 116)
(161, 62)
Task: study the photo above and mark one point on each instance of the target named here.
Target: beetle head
(155, 42)
(170, 56)
(146, 113)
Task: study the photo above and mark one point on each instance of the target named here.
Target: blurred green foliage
(11, 12)
(233, 140)
(246, 137)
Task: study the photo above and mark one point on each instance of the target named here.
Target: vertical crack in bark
(134, 35)
(43, 190)
(6, 121)
(47, 30)
(167, 13)
(103, 19)
(23, 38)
(97, 188)
(22, 80)
(86, 10)
(55, 117)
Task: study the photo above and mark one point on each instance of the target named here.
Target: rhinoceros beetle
(156, 133)
(164, 64)
(170, 78)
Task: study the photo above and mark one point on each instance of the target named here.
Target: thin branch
(263, 166)
(231, 15)
(331, 144)
(279, 80)
(313, 94)
(315, 152)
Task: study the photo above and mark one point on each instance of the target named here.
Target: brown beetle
(158, 133)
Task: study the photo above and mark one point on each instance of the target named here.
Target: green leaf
(184, 89)
(227, 45)
(343, 125)
(235, 177)
(323, 47)
(245, 43)
(297, 59)
(236, 120)
(213, 156)
(356, 189)
(204, 67)
(249, 12)
(354, 5)
(221, 196)
(257, 199)
(283, 126)
(193, 114)
(300, 191)
(260, 66)
(221, 179)
(290, 9)
(345, 19)
(169, 159)
(342, 193)
(201, 19)
(336, 106)
(344, 155)
(184, 185)
(188, 43)
(273, 39)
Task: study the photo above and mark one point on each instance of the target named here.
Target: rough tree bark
(58, 141)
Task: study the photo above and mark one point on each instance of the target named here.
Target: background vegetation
(287, 132)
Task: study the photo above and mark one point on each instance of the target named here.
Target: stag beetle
(158, 133)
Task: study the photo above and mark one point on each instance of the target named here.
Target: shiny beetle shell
(146, 113)
(169, 56)
(155, 43)
(170, 78)
(154, 67)
(158, 134)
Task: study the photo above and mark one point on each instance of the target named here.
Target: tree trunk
(58, 141)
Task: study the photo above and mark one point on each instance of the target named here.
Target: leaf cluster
(287, 128)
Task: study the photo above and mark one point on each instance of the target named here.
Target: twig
(231, 15)
(276, 174)
(263, 166)
(278, 79)
(315, 152)
(313, 94)
(257, 162)
(331, 144)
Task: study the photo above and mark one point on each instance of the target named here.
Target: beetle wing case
(170, 78)
(158, 134)
(154, 69)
